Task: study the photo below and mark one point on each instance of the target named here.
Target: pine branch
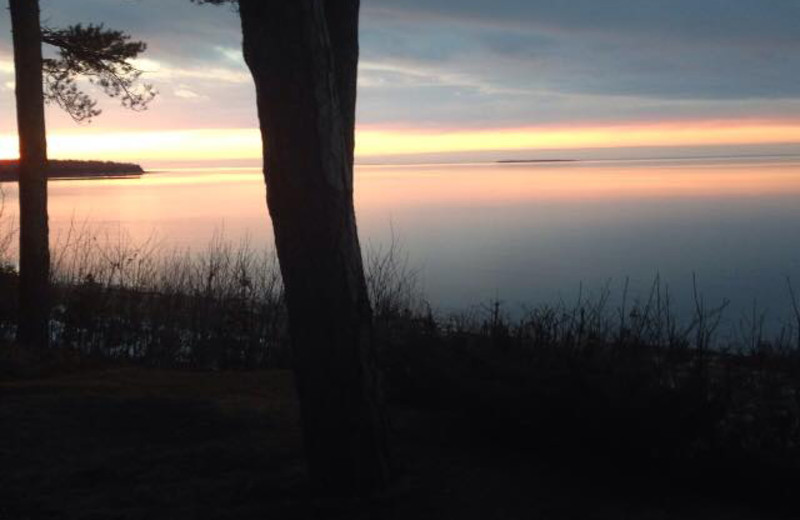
(101, 55)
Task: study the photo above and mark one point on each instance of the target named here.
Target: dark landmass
(151, 444)
(527, 161)
(74, 169)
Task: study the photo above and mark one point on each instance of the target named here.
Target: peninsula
(74, 169)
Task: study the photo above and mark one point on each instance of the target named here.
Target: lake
(526, 233)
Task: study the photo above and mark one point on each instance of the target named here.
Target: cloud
(210, 75)
(653, 51)
(473, 63)
(525, 61)
(186, 93)
(729, 21)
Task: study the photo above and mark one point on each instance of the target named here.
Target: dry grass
(632, 385)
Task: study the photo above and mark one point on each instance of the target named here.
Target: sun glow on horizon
(221, 144)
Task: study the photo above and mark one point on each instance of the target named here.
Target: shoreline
(76, 170)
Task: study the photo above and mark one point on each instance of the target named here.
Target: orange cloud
(391, 142)
(220, 144)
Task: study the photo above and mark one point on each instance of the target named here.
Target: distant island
(74, 169)
(515, 161)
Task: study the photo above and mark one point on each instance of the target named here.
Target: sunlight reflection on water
(524, 232)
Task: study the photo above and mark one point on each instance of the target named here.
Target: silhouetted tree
(303, 55)
(92, 52)
(34, 251)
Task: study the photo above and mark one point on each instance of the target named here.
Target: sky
(463, 79)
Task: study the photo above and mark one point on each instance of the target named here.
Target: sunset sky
(463, 79)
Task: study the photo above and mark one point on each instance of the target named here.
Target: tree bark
(34, 252)
(342, 20)
(303, 58)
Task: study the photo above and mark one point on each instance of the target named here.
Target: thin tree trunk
(34, 250)
(307, 128)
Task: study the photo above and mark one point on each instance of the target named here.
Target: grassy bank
(144, 443)
(632, 393)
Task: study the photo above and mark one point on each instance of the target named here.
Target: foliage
(7, 233)
(101, 55)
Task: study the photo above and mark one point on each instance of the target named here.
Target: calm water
(526, 233)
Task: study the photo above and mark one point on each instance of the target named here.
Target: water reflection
(523, 232)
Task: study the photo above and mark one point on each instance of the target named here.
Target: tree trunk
(34, 252)
(307, 128)
(342, 20)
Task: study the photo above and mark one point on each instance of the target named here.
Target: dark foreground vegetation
(166, 395)
(73, 169)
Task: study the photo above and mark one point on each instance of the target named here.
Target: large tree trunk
(342, 20)
(34, 262)
(304, 58)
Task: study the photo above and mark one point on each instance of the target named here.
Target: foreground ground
(132, 443)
